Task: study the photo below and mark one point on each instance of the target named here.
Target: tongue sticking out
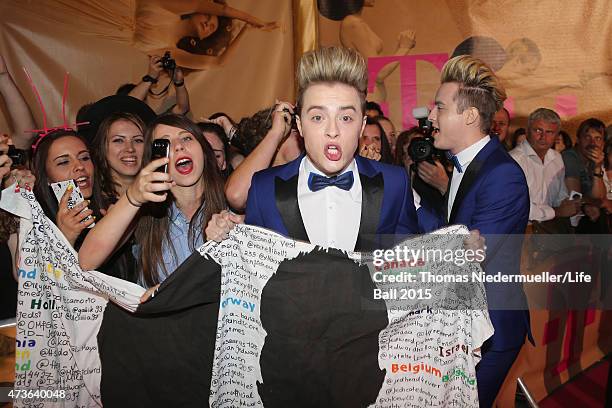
(184, 166)
(333, 153)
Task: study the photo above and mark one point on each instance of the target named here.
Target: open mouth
(435, 131)
(184, 165)
(333, 152)
(82, 182)
(129, 161)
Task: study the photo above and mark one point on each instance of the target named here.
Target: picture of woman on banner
(356, 33)
(198, 33)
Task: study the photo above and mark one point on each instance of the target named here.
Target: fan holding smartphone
(174, 195)
(65, 185)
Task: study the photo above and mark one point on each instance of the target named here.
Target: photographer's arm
(142, 89)
(182, 96)
(19, 110)
(434, 175)
(239, 182)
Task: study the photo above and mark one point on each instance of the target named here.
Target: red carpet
(587, 390)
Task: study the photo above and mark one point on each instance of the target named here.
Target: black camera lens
(167, 62)
(420, 149)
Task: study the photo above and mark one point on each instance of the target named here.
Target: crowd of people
(148, 221)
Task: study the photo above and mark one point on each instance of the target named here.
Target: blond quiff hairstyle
(478, 87)
(329, 65)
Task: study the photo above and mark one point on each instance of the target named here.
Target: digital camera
(422, 148)
(168, 62)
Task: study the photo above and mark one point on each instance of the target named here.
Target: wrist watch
(149, 78)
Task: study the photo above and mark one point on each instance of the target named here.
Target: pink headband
(42, 133)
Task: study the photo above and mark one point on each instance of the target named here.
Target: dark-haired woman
(171, 224)
(373, 143)
(60, 156)
(118, 148)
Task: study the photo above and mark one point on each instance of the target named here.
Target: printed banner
(59, 312)
(257, 320)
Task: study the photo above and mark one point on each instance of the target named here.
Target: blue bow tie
(317, 182)
(455, 161)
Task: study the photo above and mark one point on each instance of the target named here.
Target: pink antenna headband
(46, 130)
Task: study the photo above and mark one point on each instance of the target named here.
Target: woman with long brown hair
(117, 150)
(170, 224)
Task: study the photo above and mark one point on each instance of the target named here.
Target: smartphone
(76, 197)
(161, 148)
(18, 156)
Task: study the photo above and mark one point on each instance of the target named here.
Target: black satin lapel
(466, 183)
(445, 209)
(289, 209)
(372, 192)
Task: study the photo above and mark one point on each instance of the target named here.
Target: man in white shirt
(544, 169)
(329, 196)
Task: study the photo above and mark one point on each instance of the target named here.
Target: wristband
(232, 133)
(179, 84)
(130, 201)
(149, 78)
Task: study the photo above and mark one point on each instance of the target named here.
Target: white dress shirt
(331, 216)
(546, 180)
(465, 157)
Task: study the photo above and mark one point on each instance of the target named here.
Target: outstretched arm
(18, 109)
(182, 96)
(239, 182)
(111, 230)
(155, 68)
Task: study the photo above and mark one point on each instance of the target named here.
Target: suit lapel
(470, 176)
(445, 199)
(466, 182)
(372, 191)
(372, 194)
(288, 207)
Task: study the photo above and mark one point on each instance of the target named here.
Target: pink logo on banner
(408, 80)
(566, 105)
(509, 105)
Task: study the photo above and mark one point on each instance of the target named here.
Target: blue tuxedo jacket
(493, 198)
(387, 205)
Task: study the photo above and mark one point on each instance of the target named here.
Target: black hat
(105, 107)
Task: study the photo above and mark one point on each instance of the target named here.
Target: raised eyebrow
(349, 107)
(315, 107)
